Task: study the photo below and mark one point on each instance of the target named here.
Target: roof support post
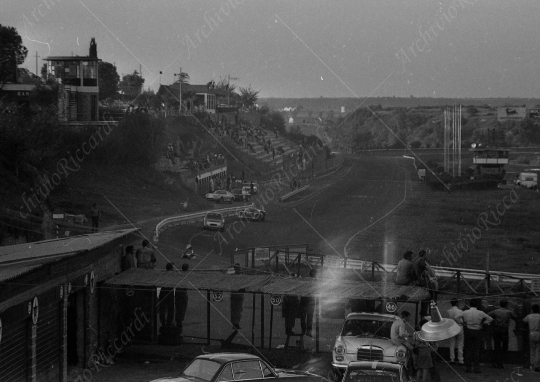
(262, 321)
(207, 317)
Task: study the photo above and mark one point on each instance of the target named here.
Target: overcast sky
(301, 48)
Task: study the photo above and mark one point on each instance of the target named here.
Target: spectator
(533, 320)
(424, 360)
(129, 260)
(502, 317)
(404, 270)
(145, 256)
(189, 253)
(95, 216)
(457, 340)
(307, 308)
(181, 301)
(166, 302)
(473, 319)
(399, 333)
(419, 266)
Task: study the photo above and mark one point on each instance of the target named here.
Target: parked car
(366, 337)
(247, 187)
(236, 366)
(220, 196)
(374, 371)
(253, 214)
(527, 180)
(214, 220)
(240, 195)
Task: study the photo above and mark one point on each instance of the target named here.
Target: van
(527, 179)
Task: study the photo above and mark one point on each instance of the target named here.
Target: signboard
(217, 296)
(534, 113)
(342, 109)
(275, 300)
(58, 216)
(422, 172)
(535, 285)
(391, 307)
(511, 113)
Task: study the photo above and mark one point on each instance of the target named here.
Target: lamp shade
(438, 328)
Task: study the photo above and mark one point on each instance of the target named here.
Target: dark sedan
(220, 367)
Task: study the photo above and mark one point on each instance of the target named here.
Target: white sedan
(220, 196)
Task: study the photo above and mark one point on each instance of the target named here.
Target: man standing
(502, 317)
(419, 266)
(473, 319)
(145, 256)
(404, 271)
(458, 339)
(95, 216)
(166, 303)
(181, 301)
(307, 309)
(129, 260)
(399, 333)
(533, 319)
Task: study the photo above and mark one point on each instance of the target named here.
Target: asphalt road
(339, 206)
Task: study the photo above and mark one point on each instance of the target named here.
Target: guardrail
(292, 193)
(447, 272)
(192, 218)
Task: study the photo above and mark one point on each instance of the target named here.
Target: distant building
(291, 120)
(78, 91)
(205, 96)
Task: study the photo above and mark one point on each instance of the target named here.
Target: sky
(300, 48)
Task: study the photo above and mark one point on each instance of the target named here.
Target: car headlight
(340, 349)
(401, 353)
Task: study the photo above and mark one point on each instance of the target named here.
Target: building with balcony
(78, 88)
(194, 97)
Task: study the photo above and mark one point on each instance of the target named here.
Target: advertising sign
(534, 113)
(511, 113)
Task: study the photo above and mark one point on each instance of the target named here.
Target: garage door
(48, 342)
(13, 348)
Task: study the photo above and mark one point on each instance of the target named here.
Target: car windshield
(367, 328)
(221, 192)
(371, 376)
(213, 216)
(202, 369)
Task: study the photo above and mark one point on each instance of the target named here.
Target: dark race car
(220, 367)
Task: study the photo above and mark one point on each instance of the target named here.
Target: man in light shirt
(502, 317)
(458, 339)
(533, 319)
(399, 333)
(473, 320)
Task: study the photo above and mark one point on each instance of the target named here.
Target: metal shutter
(48, 343)
(13, 351)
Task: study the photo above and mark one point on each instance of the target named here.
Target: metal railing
(524, 280)
(292, 193)
(195, 217)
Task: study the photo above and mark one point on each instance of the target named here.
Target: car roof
(227, 357)
(214, 213)
(375, 365)
(352, 316)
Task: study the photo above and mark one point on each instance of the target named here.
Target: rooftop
(18, 259)
(268, 284)
(71, 58)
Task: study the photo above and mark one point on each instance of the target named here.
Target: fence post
(458, 277)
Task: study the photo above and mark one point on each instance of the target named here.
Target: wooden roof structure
(273, 284)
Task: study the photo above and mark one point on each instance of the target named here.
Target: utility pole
(37, 73)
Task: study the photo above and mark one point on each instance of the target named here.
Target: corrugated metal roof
(14, 271)
(41, 252)
(268, 284)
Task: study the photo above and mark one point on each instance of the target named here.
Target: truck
(527, 180)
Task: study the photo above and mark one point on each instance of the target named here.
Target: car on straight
(220, 367)
(360, 371)
(366, 337)
(220, 196)
(240, 195)
(214, 220)
(252, 214)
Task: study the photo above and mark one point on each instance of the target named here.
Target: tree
(472, 110)
(12, 54)
(248, 96)
(131, 84)
(108, 80)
